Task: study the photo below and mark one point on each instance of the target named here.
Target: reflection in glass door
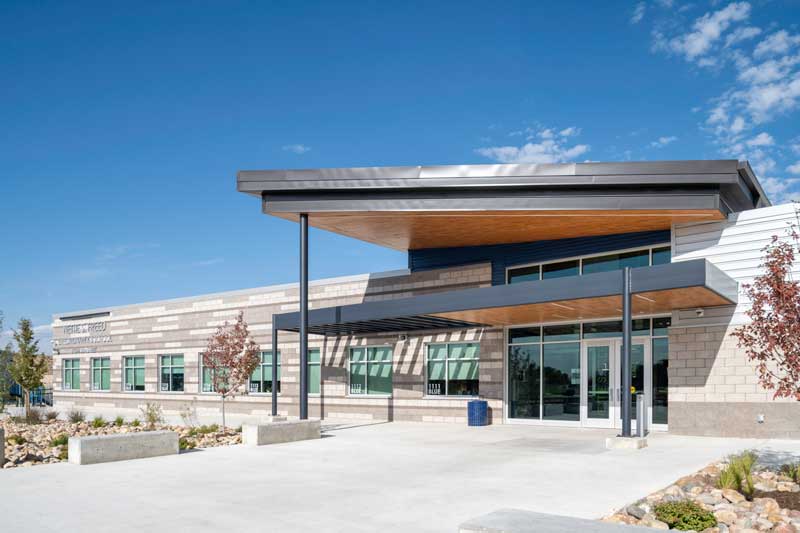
(641, 381)
(597, 385)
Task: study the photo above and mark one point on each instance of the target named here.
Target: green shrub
(119, 421)
(60, 440)
(685, 515)
(185, 444)
(76, 416)
(791, 470)
(98, 422)
(135, 423)
(205, 430)
(51, 415)
(16, 439)
(152, 414)
(738, 475)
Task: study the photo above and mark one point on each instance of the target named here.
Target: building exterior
(515, 293)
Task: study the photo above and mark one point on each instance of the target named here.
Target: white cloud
(663, 141)
(794, 169)
(778, 43)
(638, 13)
(779, 190)
(550, 148)
(741, 34)
(706, 31)
(298, 149)
(762, 139)
(737, 126)
(667, 4)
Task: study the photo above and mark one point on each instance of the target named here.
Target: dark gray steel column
(625, 363)
(274, 368)
(303, 316)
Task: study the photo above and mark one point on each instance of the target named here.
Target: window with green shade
(71, 374)
(101, 373)
(314, 370)
(371, 370)
(171, 376)
(261, 379)
(133, 373)
(452, 369)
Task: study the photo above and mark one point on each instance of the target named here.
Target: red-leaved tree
(772, 338)
(231, 356)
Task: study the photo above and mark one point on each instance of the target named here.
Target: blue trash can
(477, 413)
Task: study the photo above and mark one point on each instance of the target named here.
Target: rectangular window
(314, 370)
(613, 328)
(562, 332)
(562, 381)
(517, 275)
(261, 379)
(660, 352)
(71, 374)
(662, 256)
(560, 270)
(133, 373)
(371, 370)
(172, 372)
(608, 263)
(101, 373)
(452, 369)
(524, 380)
(591, 264)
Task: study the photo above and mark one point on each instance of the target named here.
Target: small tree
(231, 356)
(772, 338)
(28, 366)
(5, 377)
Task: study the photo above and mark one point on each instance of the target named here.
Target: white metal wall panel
(735, 246)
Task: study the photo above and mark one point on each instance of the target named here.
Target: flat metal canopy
(655, 289)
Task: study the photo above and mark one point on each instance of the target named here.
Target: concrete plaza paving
(380, 477)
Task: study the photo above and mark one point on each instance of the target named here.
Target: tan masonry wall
(182, 327)
(714, 389)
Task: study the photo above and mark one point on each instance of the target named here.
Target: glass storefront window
(561, 387)
(524, 381)
(562, 332)
(662, 256)
(660, 380)
(613, 328)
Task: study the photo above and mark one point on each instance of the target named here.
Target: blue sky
(122, 125)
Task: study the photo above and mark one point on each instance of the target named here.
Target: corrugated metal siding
(735, 246)
(502, 256)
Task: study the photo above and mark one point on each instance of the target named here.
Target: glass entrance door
(598, 385)
(601, 393)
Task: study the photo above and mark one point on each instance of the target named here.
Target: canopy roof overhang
(654, 289)
(409, 208)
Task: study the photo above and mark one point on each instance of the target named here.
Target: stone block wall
(714, 389)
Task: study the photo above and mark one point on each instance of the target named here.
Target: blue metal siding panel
(505, 255)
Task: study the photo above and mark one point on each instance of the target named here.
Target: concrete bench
(277, 432)
(122, 447)
(518, 521)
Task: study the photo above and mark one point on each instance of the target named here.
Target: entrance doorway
(601, 387)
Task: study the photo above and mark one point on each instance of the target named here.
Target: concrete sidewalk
(382, 477)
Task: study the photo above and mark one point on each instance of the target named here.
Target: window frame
(125, 369)
(580, 259)
(72, 370)
(366, 362)
(171, 366)
(261, 366)
(447, 358)
(319, 364)
(101, 369)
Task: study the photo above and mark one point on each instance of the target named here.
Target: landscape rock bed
(33, 444)
(774, 507)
